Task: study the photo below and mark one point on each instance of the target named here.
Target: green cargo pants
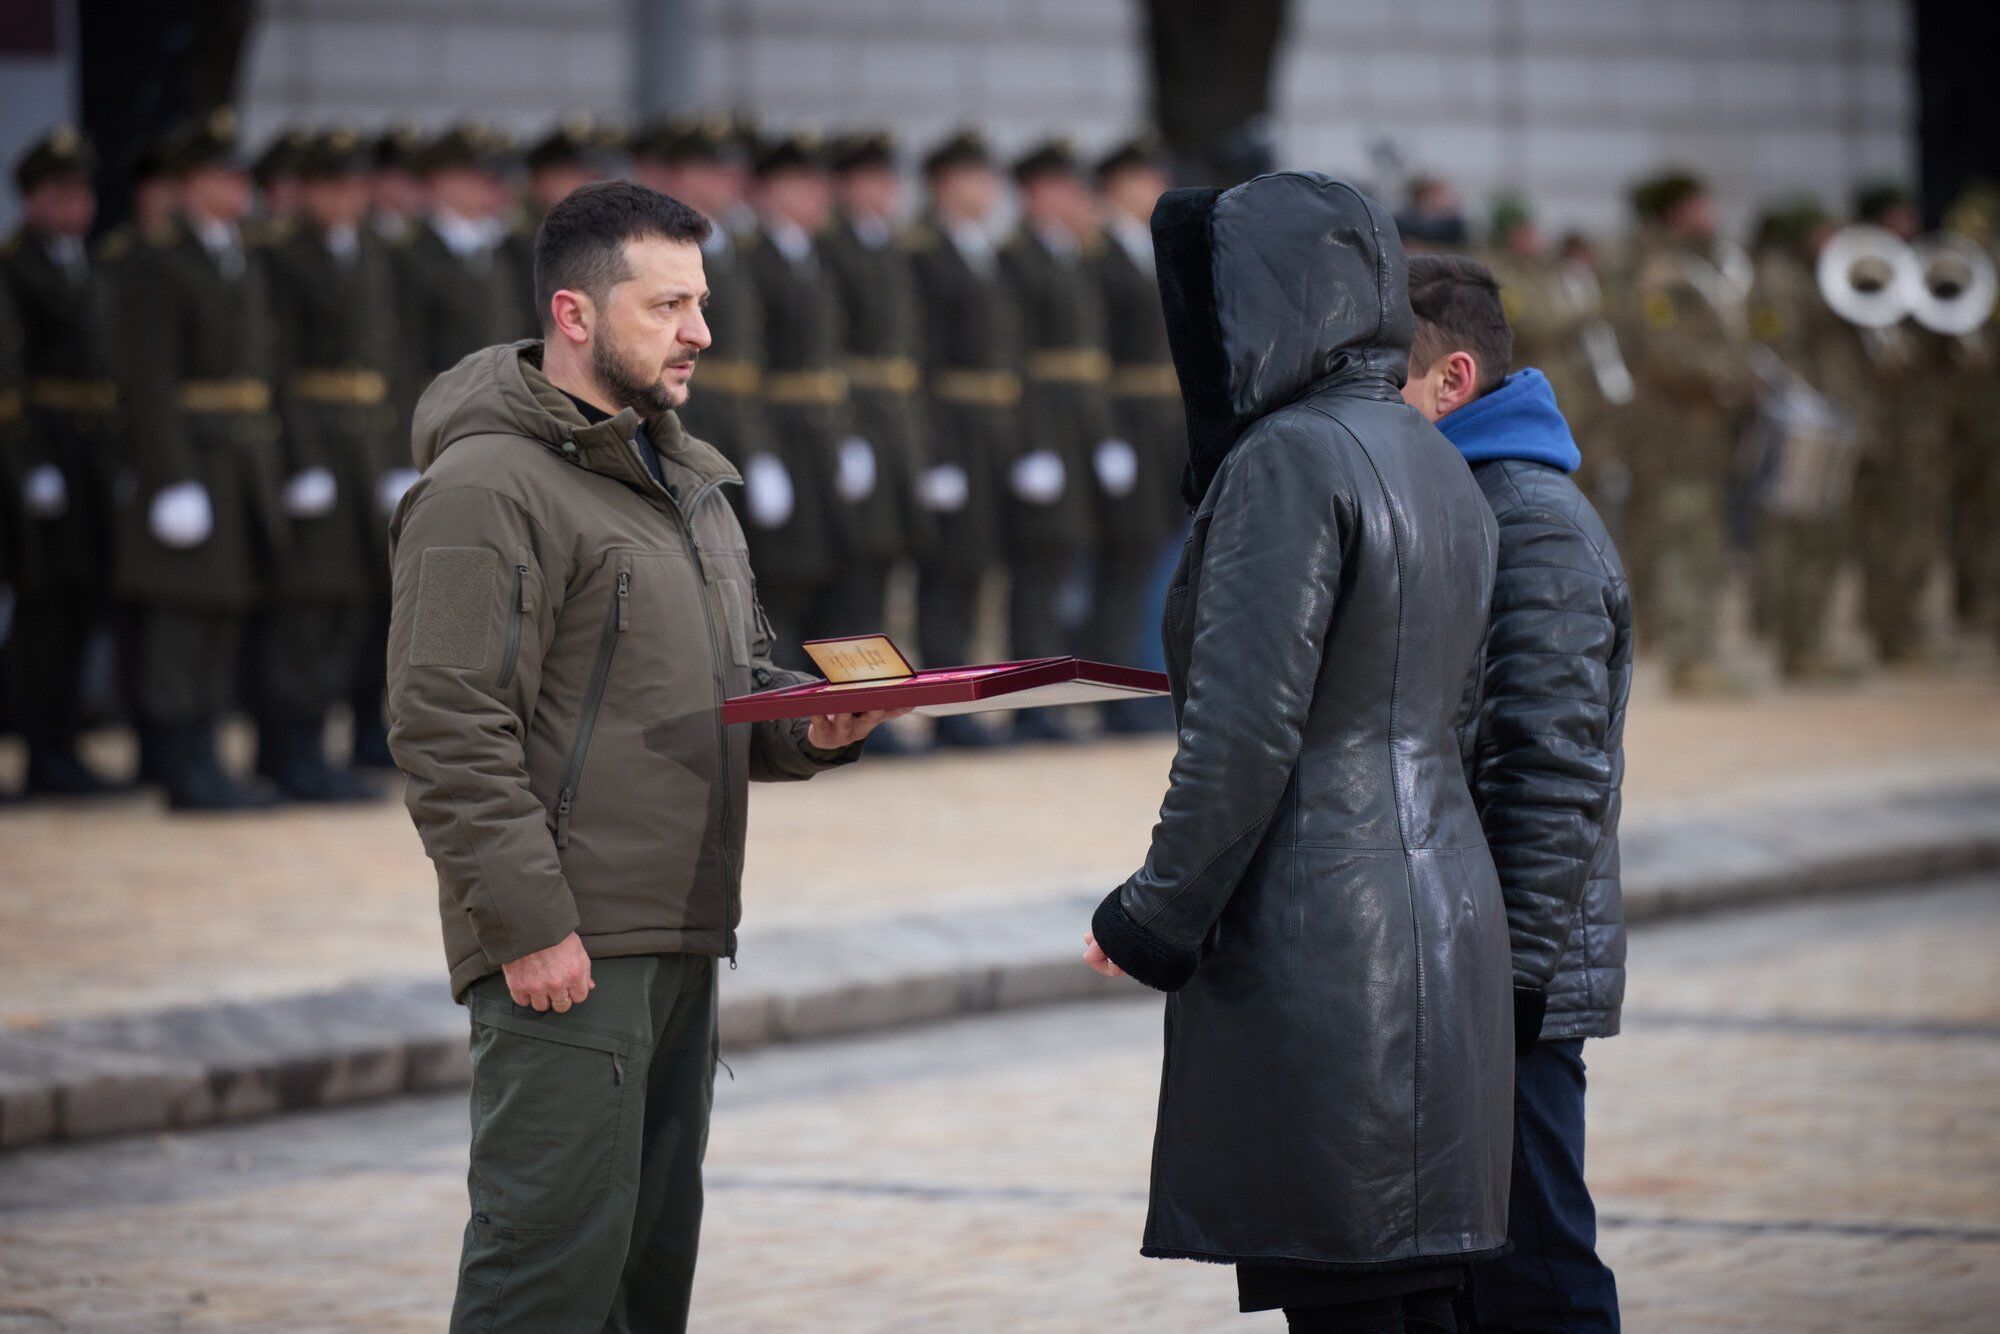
(588, 1130)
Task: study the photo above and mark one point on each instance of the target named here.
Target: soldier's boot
(960, 731)
(56, 770)
(292, 754)
(194, 777)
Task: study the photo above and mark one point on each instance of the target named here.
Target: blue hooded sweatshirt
(1517, 420)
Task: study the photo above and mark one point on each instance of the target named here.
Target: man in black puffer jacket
(1546, 756)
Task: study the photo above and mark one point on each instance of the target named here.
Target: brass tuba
(1956, 284)
(1868, 276)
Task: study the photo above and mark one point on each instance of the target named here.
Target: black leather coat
(1338, 1087)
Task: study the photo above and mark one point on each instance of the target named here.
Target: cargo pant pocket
(549, 1106)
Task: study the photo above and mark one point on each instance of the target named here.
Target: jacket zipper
(512, 650)
(593, 698)
(721, 693)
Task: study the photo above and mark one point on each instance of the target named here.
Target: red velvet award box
(867, 672)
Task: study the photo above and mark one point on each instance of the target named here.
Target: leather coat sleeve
(1542, 773)
(1262, 608)
(459, 705)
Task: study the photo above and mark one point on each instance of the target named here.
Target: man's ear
(1461, 381)
(573, 315)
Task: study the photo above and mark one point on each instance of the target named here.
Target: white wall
(1569, 99)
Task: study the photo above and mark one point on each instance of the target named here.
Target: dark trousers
(947, 613)
(1553, 1280)
(1034, 624)
(588, 1131)
(187, 663)
(302, 656)
(858, 602)
(53, 629)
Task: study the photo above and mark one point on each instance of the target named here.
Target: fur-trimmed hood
(1287, 284)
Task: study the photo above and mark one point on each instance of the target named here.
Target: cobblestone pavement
(119, 906)
(1794, 1135)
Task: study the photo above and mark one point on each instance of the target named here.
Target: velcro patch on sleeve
(454, 607)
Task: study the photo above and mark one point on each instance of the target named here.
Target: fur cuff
(1143, 955)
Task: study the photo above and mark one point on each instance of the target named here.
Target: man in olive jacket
(1547, 756)
(572, 604)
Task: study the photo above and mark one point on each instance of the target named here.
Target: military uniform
(60, 302)
(333, 309)
(971, 395)
(877, 296)
(1975, 446)
(199, 529)
(1689, 348)
(456, 287)
(13, 451)
(1902, 499)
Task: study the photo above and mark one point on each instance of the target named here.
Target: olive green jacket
(563, 633)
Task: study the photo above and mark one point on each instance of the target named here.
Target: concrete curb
(174, 1069)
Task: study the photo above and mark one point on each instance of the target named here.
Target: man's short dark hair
(581, 243)
(1457, 304)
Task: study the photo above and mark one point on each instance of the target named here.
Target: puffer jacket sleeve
(1542, 772)
(476, 588)
(1269, 577)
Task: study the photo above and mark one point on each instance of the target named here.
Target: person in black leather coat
(1318, 898)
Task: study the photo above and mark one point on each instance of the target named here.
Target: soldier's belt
(1145, 382)
(54, 393)
(10, 404)
(805, 388)
(727, 375)
(1069, 365)
(353, 389)
(888, 375)
(986, 389)
(225, 396)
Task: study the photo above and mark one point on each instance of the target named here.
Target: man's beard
(647, 395)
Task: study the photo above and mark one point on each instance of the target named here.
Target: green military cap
(1653, 199)
(336, 151)
(281, 155)
(207, 142)
(399, 147)
(961, 148)
(1790, 222)
(1874, 199)
(468, 146)
(61, 153)
(1052, 157)
(1510, 214)
(796, 150)
(1144, 149)
(718, 137)
(574, 141)
(859, 150)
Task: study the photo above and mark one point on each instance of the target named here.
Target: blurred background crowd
(938, 358)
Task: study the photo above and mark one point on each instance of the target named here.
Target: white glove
(391, 486)
(1038, 477)
(767, 488)
(855, 481)
(1117, 466)
(944, 489)
(44, 493)
(310, 494)
(181, 516)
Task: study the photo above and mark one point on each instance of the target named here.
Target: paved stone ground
(1794, 1135)
(118, 906)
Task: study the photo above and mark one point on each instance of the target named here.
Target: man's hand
(1094, 955)
(551, 979)
(838, 731)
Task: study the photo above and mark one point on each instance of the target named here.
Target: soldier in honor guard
(323, 637)
(396, 189)
(1136, 515)
(457, 293)
(1690, 360)
(830, 474)
(877, 294)
(197, 516)
(1902, 499)
(575, 152)
(971, 350)
(60, 302)
(1975, 437)
(13, 468)
(1068, 455)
